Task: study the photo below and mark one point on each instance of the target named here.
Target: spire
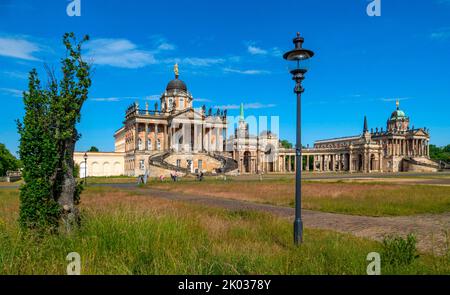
(397, 103)
(365, 125)
(241, 116)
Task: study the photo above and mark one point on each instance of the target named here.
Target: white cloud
(442, 34)
(246, 72)
(13, 74)
(253, 105)
(153, 97)
(12, 92)
(166, 46)
(202, 100)
(120, 53)
(256, 50)
(202, 62)
(18, 48)
(394, 99)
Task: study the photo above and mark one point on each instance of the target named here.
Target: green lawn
(127, 234)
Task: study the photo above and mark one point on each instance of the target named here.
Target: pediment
(188, 114)
(420, 132)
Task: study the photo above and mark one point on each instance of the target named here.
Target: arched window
(140, 147)
(158, 144)
(149, 143)
(181, 102)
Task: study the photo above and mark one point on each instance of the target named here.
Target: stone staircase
(423, 162)
(228, 164)
(159, 160)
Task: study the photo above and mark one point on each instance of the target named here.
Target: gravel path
(430, 230)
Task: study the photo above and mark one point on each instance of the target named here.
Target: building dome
(176, 84)
(398, 114)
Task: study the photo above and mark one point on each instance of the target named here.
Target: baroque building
(397, 148)
(174, 136)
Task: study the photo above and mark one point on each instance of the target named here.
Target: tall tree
(48, 137)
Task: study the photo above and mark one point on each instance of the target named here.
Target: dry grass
(127, 234)
(371, 199)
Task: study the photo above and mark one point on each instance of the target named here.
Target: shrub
(399, 251)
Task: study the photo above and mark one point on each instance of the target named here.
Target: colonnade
(413, 147)
(181, 137)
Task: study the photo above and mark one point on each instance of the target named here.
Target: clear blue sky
(230, 52)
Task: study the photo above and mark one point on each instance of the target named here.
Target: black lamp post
(85, 168)
(300, 56)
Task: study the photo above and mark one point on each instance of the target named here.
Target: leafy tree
(286, 144)
(7, 160)
(440, 153)
(48, 136)
(93, 149)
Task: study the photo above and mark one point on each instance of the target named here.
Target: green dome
(398, 114)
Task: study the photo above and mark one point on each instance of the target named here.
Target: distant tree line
(440, 153)
(93, 149)
(7, 161)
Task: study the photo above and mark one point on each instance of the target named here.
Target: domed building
(398, 148)
(174, 136)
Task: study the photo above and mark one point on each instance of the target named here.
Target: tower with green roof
(398, 120)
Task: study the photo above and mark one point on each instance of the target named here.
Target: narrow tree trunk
(70, 213)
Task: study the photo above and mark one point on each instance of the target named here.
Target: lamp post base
(298, 231)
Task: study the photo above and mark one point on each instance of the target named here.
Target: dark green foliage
(440, 153)
(93, 149)
(7, 161)
(399, 251)
(286, 144)
(76, 170)
(47, 141)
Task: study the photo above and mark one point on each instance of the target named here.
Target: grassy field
(110, 179)
(127, 234)
(370, 199)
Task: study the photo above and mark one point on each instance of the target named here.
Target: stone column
(203, 138)
(136, 137)
(224, 139)
(350, 162)
(307, 163)
(217, 138)
(146, 137)
(156, 136)
(166, 138)
(209, 140)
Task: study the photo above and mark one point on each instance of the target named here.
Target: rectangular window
(142, 165)
(200, 165)
(178, 163)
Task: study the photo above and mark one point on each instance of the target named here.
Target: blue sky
(230, 52)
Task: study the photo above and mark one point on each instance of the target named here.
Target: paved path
(430, 230)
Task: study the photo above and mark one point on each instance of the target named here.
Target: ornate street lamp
(300, 57)
(85, 168)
